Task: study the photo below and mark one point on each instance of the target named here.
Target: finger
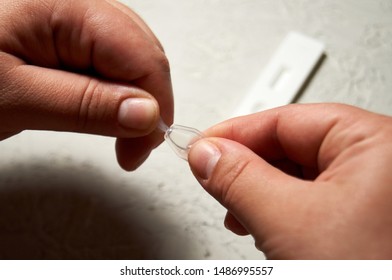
(89, 36)
(234, 225)
(129, 56)
(309, 135)
(126, 10)
(98, 39)
(131, 153)
(260, 196)
(40, 98)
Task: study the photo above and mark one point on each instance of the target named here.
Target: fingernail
(203, 158)
(137, 113)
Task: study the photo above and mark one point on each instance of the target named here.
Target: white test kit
(285, 74)
(278, 85)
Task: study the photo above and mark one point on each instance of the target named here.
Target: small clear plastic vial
(180, 138)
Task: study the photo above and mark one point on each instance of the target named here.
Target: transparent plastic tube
(180, 138)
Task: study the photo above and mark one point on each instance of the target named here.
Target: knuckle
(161, 60)
(11, 86)
(164, 63)
(90, 108)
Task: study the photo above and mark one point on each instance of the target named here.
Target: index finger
(311, 135)
(89, 37)
(117, 45)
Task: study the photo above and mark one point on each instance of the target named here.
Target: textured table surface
(62, 195)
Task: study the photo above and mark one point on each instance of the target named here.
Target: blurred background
(62, 195)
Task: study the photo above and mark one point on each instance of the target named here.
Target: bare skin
(86, 66)
(306, 181)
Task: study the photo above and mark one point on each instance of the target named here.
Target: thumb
(254, 192)
(40, 98)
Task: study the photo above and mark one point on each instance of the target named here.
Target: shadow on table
(47, 212)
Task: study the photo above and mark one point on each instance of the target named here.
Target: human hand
(85, 66)
(306, 181)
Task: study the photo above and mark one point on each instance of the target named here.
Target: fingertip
(131, 153)
(232, 224)
(131, 166)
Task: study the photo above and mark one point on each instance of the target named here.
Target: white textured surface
(63, 196)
